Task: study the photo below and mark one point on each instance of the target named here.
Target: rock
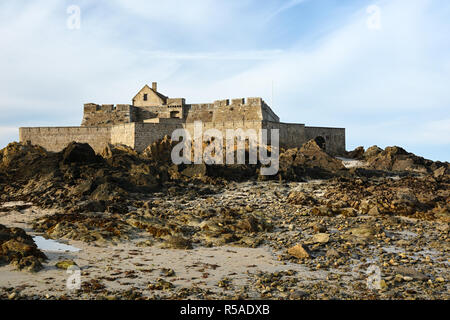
(19, 249)
(160, 150)
(156, 227)
(20, 153)
(332, 253)
(406, 278)
(310, 161)
(398, 159)
(65, 264)
(398, 278)
(440, 172)
(320, 238)
(160, 284)
(348, 212)
(443, 215)
(298, 295)
(320, 228)
(314, 156)
(301, 198)
(357, 154)
(195, 170)
(117, 150)
(383, 285)
(178, 242)
(299, 251)
(80, 153)
(84, 227)
(372, 152)
(373, 211)
(410, 272)
(323, 211)
(249, 224)
(363, 232)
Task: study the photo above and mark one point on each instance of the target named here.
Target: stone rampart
(334, 138)
(107, 114)
(57, 138)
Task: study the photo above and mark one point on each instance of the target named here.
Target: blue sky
(387, 86)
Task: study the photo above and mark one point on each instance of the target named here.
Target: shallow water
(351, 163)
(52, 245)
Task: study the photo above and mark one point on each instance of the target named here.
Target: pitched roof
(161, 96)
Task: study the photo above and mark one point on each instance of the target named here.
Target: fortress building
(152, 115)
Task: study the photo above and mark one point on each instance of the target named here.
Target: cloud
(286, 6)
(386, 86)
(220, 55)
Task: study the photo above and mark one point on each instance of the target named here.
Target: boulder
(79, 153)
(114, 150)
(357, 154)
(19, 249)
(65, 264)
(160, 150)
(310, 161)
(178, 242)
(195, 170)
(320, 238)
(398, 159)
(371, 152)
(299, 251)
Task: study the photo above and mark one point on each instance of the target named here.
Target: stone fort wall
(334, 138)
(249, 109)
(140, 135)
(138, 127)
(57, 138)
(95, 115)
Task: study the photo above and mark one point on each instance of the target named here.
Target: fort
(152, 115)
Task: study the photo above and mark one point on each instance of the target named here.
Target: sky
(380, 69)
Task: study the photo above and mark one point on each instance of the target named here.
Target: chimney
(155, 86)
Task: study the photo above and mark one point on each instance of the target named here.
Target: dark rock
(80, 153)
(160, 150)
(357, 154)
(410, 272)
(195, 170)
(372, 152)
(19, 249)
(299, 251)
(178, 242)
(398, 159)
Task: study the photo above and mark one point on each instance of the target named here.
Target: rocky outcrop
(310, 161)
(79, 153)
(398, 159)
(372, 152)
(357, 153)
(160, 150)
(84, 227)
(18, 248)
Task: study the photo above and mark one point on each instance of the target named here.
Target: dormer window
(145, 97)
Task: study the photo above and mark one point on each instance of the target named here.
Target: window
(145, 97)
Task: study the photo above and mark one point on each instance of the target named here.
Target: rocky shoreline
(148, 229)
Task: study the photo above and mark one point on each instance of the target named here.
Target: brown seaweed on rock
(18, 248)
